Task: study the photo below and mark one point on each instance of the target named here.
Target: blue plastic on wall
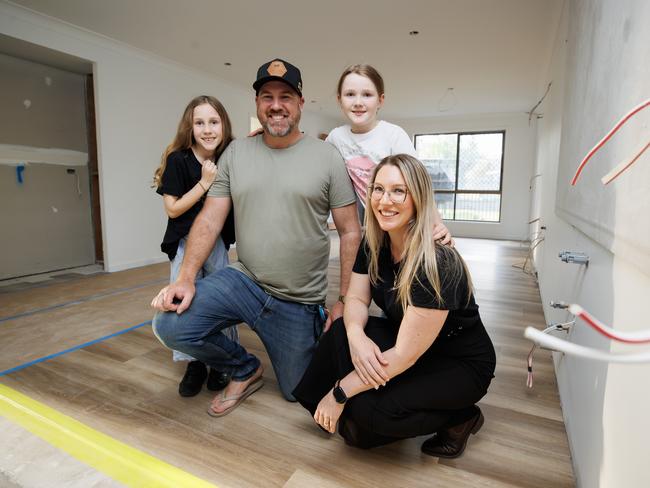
(19, 173)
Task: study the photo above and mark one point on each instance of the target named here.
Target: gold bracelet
(341, 299)
(204, 188)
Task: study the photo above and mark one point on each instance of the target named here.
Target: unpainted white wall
(518, 163)
(605, 406)
(55, 113)
(43, 108)
(45, 221)
(139, 100)
(609, 55)
(314, 123)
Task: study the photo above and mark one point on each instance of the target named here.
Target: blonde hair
(184, 138)
(420, 248)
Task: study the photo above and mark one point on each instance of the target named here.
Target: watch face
(339, 395)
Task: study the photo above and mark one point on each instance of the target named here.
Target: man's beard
(280, 131)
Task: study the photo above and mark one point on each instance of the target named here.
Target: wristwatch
(342, 299)
(339, 394)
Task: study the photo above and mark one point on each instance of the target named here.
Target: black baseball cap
(279, 70)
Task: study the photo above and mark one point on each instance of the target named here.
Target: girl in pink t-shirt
(366, 140)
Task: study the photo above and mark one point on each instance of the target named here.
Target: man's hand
(335, 313)
(442, 234)
(368, 360)
(174, 297)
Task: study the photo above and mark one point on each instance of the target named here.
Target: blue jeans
(217, 259)
(288, 330)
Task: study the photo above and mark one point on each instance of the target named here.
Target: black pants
(438, 391)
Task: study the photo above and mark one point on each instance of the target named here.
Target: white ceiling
(494, 53)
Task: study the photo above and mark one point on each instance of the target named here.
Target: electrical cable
(534, 237)
(608, 136)
(529, 361)
(534, 243)
(539, 339)
(532, 110)
(530, 182)
(638, 337)
(560, 345)
(618, 170)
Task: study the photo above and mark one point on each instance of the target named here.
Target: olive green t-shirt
(281, 199)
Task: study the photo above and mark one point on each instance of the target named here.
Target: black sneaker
(193, 379)
(217, 380)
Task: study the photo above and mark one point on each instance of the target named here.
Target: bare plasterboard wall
(44, 186)
(608, 51)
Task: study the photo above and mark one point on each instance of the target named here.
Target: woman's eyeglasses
(396, 195)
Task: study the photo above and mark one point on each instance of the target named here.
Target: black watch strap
(339, 394)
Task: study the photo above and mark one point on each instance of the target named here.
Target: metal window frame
(456, 191)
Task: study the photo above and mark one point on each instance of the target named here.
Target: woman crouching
(421, 369)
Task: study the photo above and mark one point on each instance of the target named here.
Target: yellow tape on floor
(114, 458)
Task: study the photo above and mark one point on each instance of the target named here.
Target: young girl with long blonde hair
(186, 172)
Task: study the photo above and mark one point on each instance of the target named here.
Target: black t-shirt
(463, 314)
(182, 173)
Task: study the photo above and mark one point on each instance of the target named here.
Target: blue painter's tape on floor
(80, 300)
(75, 348)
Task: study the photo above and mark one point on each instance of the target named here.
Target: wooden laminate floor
(126, 386)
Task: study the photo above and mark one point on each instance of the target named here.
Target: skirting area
(83, 348)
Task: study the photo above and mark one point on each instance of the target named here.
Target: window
(466, 170)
